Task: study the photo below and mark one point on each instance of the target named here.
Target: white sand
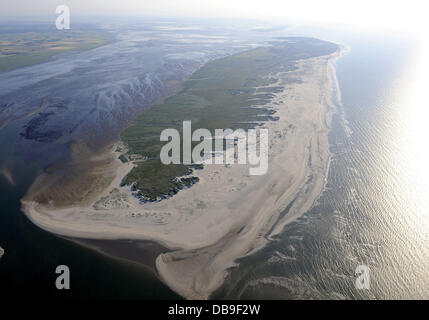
(228, 214)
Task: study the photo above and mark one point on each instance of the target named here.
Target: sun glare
(413, 114)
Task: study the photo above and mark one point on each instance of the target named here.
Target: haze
(407, 15)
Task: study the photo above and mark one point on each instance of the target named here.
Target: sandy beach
(228, 214)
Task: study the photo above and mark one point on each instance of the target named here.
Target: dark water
(374, 210)
(27, 268)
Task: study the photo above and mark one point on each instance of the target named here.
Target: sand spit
(228, 214)
(5, 172)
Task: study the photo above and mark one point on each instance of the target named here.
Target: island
(207, 216)
(21, 49)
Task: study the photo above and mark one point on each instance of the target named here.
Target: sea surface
(373, 212)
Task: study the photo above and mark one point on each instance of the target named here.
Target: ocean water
(375, 207)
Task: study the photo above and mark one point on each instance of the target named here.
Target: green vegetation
(27, 48)
(123, 158)
(222, 95)
(152, 179)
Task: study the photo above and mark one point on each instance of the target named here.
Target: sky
(393, 14)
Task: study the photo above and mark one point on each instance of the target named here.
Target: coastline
(234, 214)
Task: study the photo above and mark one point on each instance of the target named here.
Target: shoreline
(252, 207)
